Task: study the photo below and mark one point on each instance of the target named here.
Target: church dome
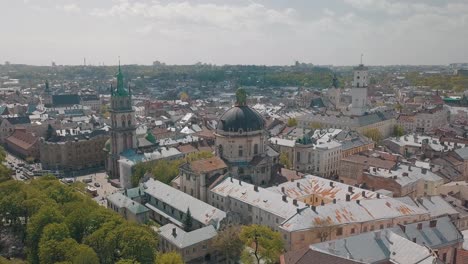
(241, 117)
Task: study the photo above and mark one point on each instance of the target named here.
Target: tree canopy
(59, 224)
(266, 244)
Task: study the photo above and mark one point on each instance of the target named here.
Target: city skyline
(387, 32)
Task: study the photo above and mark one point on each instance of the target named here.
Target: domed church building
(241, 141)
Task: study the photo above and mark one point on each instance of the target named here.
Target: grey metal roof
(184, 239)
(375, 247)
(123, 201)
(200, 211)
(443, 234)
(462, 152)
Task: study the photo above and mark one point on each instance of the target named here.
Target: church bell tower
(123, 127)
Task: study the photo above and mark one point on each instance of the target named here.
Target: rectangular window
(240, 152)
(339, 231)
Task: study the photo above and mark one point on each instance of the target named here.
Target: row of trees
(58, 224)
(457, 83)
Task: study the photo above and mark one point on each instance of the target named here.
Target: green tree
(105, 111)
(316, 125)
(54, 251)
(198, 156)
(284, 160)
(169, 258)
(188, 221)
(49, 132)
(229, 243)
(47, 214)
(127, 261)
(398, 131)
(55, 231)
(183, 96)
(85, 255)
(292, 122)
(266, 244)
(137, 242)
(374, 134)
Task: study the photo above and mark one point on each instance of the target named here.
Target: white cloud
(229, 17)
(70, 8)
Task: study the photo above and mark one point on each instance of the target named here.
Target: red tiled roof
(22, 139)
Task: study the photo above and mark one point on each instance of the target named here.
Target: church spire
(121, 91)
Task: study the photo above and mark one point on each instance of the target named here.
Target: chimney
(298, 184)
(374, 169)
(423, 170)
(295, 202)
(331, 184)
(433, 223)
(334, 201)
(378, 195)
(285, 199)
(377, 235)
(322, 203)
(282, 189)
(364, 194)
(256, 188)
(174, 232)
(419, 226)
(292, 180)
(350, 189)
(358, 201)
(240, 182)
(409, 168)
(414, 240)
(402, 227)
(348, 197)
(231, 179)
(313, 208)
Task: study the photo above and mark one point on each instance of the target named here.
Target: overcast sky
(273, 32)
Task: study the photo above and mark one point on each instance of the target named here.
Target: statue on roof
(241, 97)
(335, 82)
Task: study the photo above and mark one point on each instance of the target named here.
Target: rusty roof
(314, 185)
(351, 212)
(207, 165)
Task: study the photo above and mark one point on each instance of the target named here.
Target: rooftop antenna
(362, 55)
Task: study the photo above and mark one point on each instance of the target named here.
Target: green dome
(107, 145)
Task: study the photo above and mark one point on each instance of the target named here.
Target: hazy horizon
(242, 32)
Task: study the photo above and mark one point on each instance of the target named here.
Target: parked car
(87, 180)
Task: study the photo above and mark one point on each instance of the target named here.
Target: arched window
(124, 141)
(129, 120)
(255, 149)
(129, 140)
(123, 121)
